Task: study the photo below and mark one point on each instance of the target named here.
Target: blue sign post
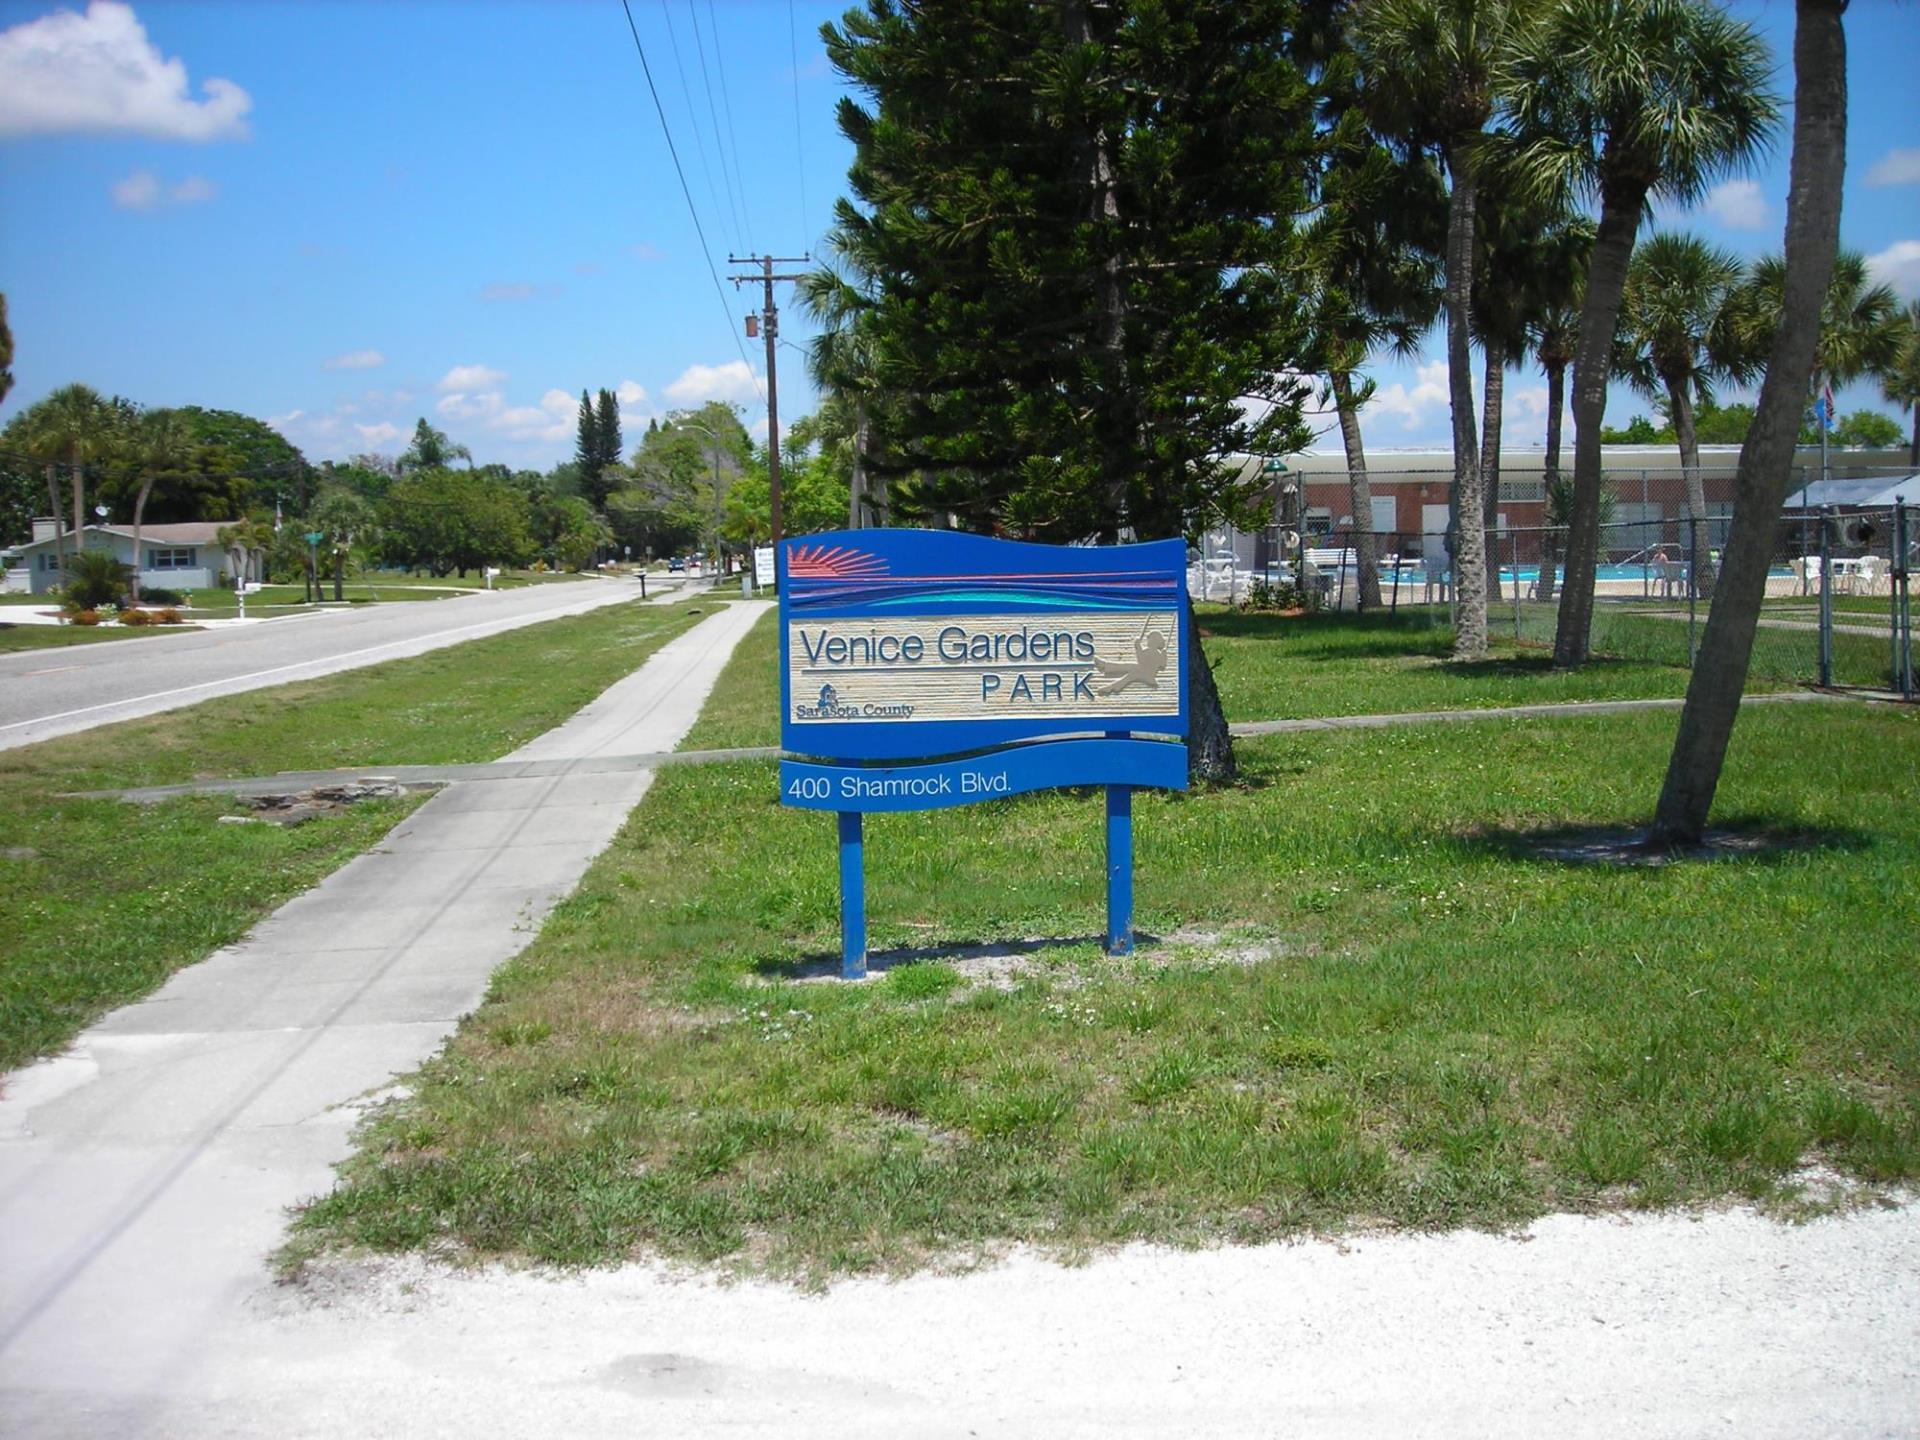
(994, 668)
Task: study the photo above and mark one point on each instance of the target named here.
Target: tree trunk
(1209, 743)
(1766, 459)
(139, 512)
(1549, 542)
(1492, 400)
(59, 537)
(1469, 543)
(1592, 364)
(339, 573)
(79, 503)
(1913, 449)
(1701, 564)
(1361, 493)
(858, 516)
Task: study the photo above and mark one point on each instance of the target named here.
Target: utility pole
(769, 319)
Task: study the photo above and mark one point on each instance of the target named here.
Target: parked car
(676, 564)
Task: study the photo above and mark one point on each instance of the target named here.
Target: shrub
(134, 616)
(94, 578)
(1265, 594)
(160, 595)
(166, 615)
(83, 617)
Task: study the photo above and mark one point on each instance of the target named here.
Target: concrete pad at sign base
(145, 1174)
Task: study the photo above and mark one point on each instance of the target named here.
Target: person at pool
(1438, 564)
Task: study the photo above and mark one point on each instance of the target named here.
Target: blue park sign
(999, 667)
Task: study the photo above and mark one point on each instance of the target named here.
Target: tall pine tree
(1076, 217)
(586, 453)
(607, 430)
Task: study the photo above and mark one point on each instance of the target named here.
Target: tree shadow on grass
(967, 956)
(1634, 846)
(1534, 666)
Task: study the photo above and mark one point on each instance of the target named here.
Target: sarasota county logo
(831, 707)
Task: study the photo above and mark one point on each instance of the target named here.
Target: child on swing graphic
(1149, 659)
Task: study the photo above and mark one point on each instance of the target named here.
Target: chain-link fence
(1837, 609)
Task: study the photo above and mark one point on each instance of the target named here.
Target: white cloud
(1411, 405)
(139, 191)
(1738, 205)
(731, 382)
(355, 360)
(552, 419)
(381, 434)
(463, 406)
(631, 392)
(471, 377)
(645, 253)
(142, 190)
(1899, 266)
(99, 73)
(1896, 167)
(192, 190)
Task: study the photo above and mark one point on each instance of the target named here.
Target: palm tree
(1531, 258)
(1860, 323)
(1553, 330)
(69, 427)
(1372, 274)
(1433, 72)
(160, 440)
(1619, 101)
(842, 363)
(1766, 460)
(1674, 342)
(1900, 381)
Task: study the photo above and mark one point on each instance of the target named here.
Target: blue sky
(341, 216)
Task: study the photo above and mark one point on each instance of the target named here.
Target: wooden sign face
(918, 642)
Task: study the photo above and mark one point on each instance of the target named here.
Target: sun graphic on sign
(838, 562)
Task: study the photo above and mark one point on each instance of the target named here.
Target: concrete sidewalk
(144, 1173)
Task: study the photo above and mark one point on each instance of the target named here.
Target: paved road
(44, 693)
(144, 1173)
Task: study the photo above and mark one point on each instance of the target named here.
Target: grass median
(104, 900)
(1363, 1001)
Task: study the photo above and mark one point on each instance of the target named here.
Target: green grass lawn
(53, 637)
(1271, 667)
(1382, 664)
(1360, 1001)
(104, 899)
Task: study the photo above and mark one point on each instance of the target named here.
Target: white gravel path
(1723, 1324)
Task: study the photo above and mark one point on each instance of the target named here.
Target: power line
(719, 142)
(726, 103)
(706, 251)
(693, 122)
(799, 148)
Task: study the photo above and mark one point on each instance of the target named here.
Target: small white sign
(763, 566)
